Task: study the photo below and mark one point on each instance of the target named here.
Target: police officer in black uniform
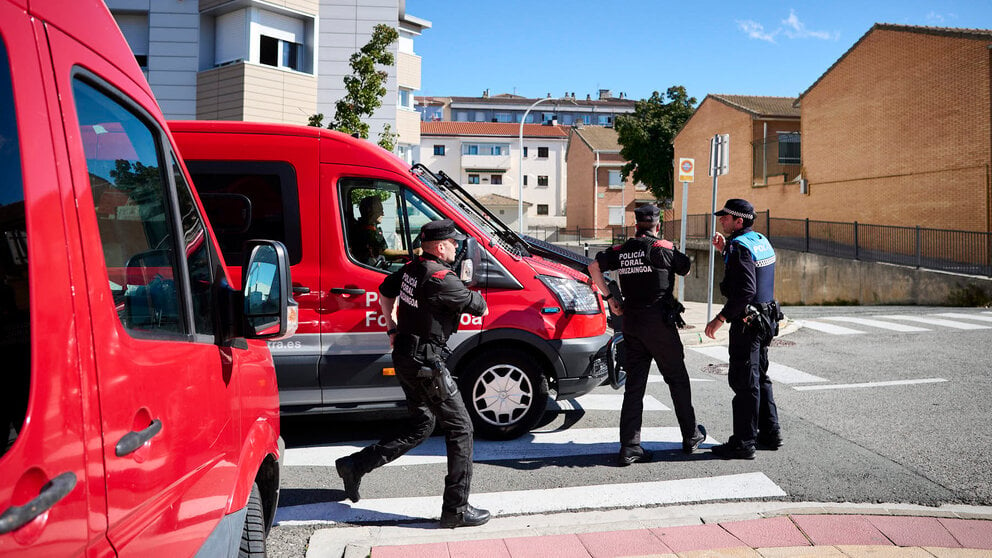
(753, 313)
(651, 315)
(431, 299)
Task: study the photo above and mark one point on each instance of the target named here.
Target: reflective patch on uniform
(441, 274)
(765, 262)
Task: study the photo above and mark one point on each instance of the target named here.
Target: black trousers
(754, 403)
(450, 414)
(647, 337)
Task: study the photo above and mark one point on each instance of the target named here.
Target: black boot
(633, 454)
(733, 449)
(352, 478)
(770, 441)
(689, 445)
(471, 517)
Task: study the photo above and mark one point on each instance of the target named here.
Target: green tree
(365, 88)
(646, 138)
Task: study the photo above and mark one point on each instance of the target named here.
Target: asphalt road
(873, 414)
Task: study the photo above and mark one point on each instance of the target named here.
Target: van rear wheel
(253, 535)
(506, 393)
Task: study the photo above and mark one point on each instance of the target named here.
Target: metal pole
(685, 209)
(709, 281)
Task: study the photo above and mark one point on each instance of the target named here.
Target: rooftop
(494, 129)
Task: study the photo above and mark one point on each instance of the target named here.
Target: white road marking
(602, 402)
(872, 384)
(967, 316)
(876, 323)
(777, 372)
(630, 495)
(828, 328)
(655, 378)
(532, 446)
(937, 321)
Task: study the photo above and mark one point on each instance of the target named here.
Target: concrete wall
(804, 278)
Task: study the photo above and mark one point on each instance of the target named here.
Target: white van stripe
(872, 384)
(828, 328)
(777, 372)
(876, 323)
(937, 321)
(534, 445)
(631, 495)
(602, 402)
(966, 316)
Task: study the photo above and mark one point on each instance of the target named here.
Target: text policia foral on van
(633, 263)
(374, 316)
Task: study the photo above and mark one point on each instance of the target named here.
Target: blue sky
(537, 47)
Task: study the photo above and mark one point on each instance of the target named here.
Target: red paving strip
(914, 531)
(827, 530)
(429, 550)
(608, 544)
(696, 537)
(553, 546)
(491, 548)
(767, 533)
(971, 533)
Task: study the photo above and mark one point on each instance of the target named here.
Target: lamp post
(520, 166)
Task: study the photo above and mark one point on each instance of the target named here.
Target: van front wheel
(506, 393)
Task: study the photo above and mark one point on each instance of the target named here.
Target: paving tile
(971, 533)
(489, 548)
(956, 552)
(801, 552)
(739, 552)
(608, 544)
(914, 531)
(430, 550)
(886, 551)
(552, 546)
(696, 537)
(839, 529)
(768, 532)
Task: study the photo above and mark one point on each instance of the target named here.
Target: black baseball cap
(440, 230)
(737, 208)
(647, 213)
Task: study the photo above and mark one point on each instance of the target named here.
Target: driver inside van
(368, 245)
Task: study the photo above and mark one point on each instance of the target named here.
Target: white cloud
(755, 30)
(796, 29)
(934, 17)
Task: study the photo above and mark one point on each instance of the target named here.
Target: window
(614, 180)
(616, 215)
(789, 148)
(134, 27)
(603, 120)
(473, 179)
(496, 179)
(542, 209)
(439, 150)
(542, 152)
(291, 55)
(461, 116)
(566, 119)
(406, 98)
(542, 180)
(480, 116)
(496, 150)
(202, 263)
(525, 180)
(525, 151)
(548, 116)
(470, 149)
(502, 117)
(268, 51)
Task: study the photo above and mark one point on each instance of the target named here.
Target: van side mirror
(471, 259)
(269, 309)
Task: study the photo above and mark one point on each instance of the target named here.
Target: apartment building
(508, 108)
(597, 196)
(271, 60)
(485, 158)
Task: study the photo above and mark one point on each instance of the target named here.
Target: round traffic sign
(686, 166)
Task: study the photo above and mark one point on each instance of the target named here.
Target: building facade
(485, 158)
(597, 196)
(507, 108)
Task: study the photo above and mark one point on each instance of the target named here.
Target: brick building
(597, 197)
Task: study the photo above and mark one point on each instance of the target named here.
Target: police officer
(431, 299)
(651, 315)
(749, 286)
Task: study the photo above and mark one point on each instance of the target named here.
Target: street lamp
(520, 166)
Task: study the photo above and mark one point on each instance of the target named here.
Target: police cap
(440, 230)
(737, 208)
(647, 213)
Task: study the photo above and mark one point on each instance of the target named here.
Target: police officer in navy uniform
(646, 266)
(429, 300)
(753, 313)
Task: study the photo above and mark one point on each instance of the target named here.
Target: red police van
(140, 419)
(349, 213)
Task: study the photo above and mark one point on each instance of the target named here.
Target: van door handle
(300, 289)
(134, 440)
(345, 290)
(15, 517)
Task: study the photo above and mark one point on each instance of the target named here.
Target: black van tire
(253, 534)
(527, 385)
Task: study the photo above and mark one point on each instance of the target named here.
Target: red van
(140, 418)
(349, 213)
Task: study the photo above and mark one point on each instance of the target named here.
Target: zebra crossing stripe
(872, 384)
(602, 402)
(937, 321)
(967, 316)
(629, 495)
(534, 445)
(828, 328)
(777, 372)
(877, 323)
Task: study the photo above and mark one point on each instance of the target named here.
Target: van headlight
(574, 296)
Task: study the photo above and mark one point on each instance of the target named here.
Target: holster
(441, 386)
(433, 375)
(672, 310)
(763, 318)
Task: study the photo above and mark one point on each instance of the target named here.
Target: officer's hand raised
(719, 242)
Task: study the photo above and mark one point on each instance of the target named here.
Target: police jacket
(431, 299)
(750, 272)
(644, 265)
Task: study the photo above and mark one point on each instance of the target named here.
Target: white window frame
(611, 174)
(616, 215)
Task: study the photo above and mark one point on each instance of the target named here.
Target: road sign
(687, 169)
(719, 154)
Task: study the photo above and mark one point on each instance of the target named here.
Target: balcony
(497, 162)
